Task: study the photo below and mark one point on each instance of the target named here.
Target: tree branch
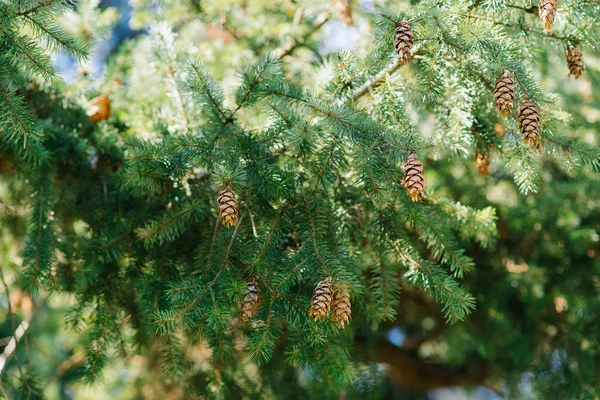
(290, 47)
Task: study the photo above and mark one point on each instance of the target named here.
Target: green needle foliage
(113, 226)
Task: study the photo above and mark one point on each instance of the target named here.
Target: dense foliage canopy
(121, 279)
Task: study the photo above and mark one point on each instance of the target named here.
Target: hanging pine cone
(414, 180)
(482, 162)
(529, 122)
(504, 93)
(575, 61)
(321, 299)
(228, 207)
(547, 9)
(403, 41)
(99, 108)
(249, 304)
(344, 8)
(341, 306)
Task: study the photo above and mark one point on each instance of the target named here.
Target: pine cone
(228, 207)
(529, 121)
(547, 9)
(575, 61)
(321, 299)
(414, 180)
(344, 8)
(403, 41)
(249, 304)
(99, 108)
(341, 306)
(504, 93)
(482, 162)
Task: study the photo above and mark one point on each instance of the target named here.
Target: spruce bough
(241, 217)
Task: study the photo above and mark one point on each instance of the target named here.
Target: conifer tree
(231, 211)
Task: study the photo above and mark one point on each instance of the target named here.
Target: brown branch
(290, 47)
(408, 371)
(379, 78)
(34, 9)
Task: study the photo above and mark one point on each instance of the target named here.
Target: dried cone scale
(575, 61)
(482, 162)
(321, 299)
(504, 93)
(529, 122)
(228, 207)
(547, 9)
(414, 178)
(403, 41)
(341, 306)
(249, 304)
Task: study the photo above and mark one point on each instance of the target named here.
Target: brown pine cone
(249, 304)
(504, 93)
(228, 207)
(403, 41)
(529, 122)
(482, 162)
(99, 108)
(341, 306)
(575, 61)
(414, 178)
(321, 299)
(547, 9)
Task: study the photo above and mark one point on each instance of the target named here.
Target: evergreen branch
(457, 302)
(444, 250)
(529, 10)
(313, 231)
(70, 46)
(589, 154)
(211, 284)
(524, 28)
(375, 81)
(23, 123)
(381, 77)
(265, 246)
(25, 49)
(252, 79)
(32, 10)
(210, 89)
(193, 303)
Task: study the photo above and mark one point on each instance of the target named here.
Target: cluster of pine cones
(528, 114)
(326, 297)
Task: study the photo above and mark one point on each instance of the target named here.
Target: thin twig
(290, 47)
(379, 78)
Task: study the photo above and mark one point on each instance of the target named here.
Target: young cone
(504, 93)
(341, 306)
(575, 61)
(547, 9)
(482, 162)
(403, 41)
(249, 304)
(321, 299)
(529, 122)
(228, 207)
(414, 178)
(344, 8)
